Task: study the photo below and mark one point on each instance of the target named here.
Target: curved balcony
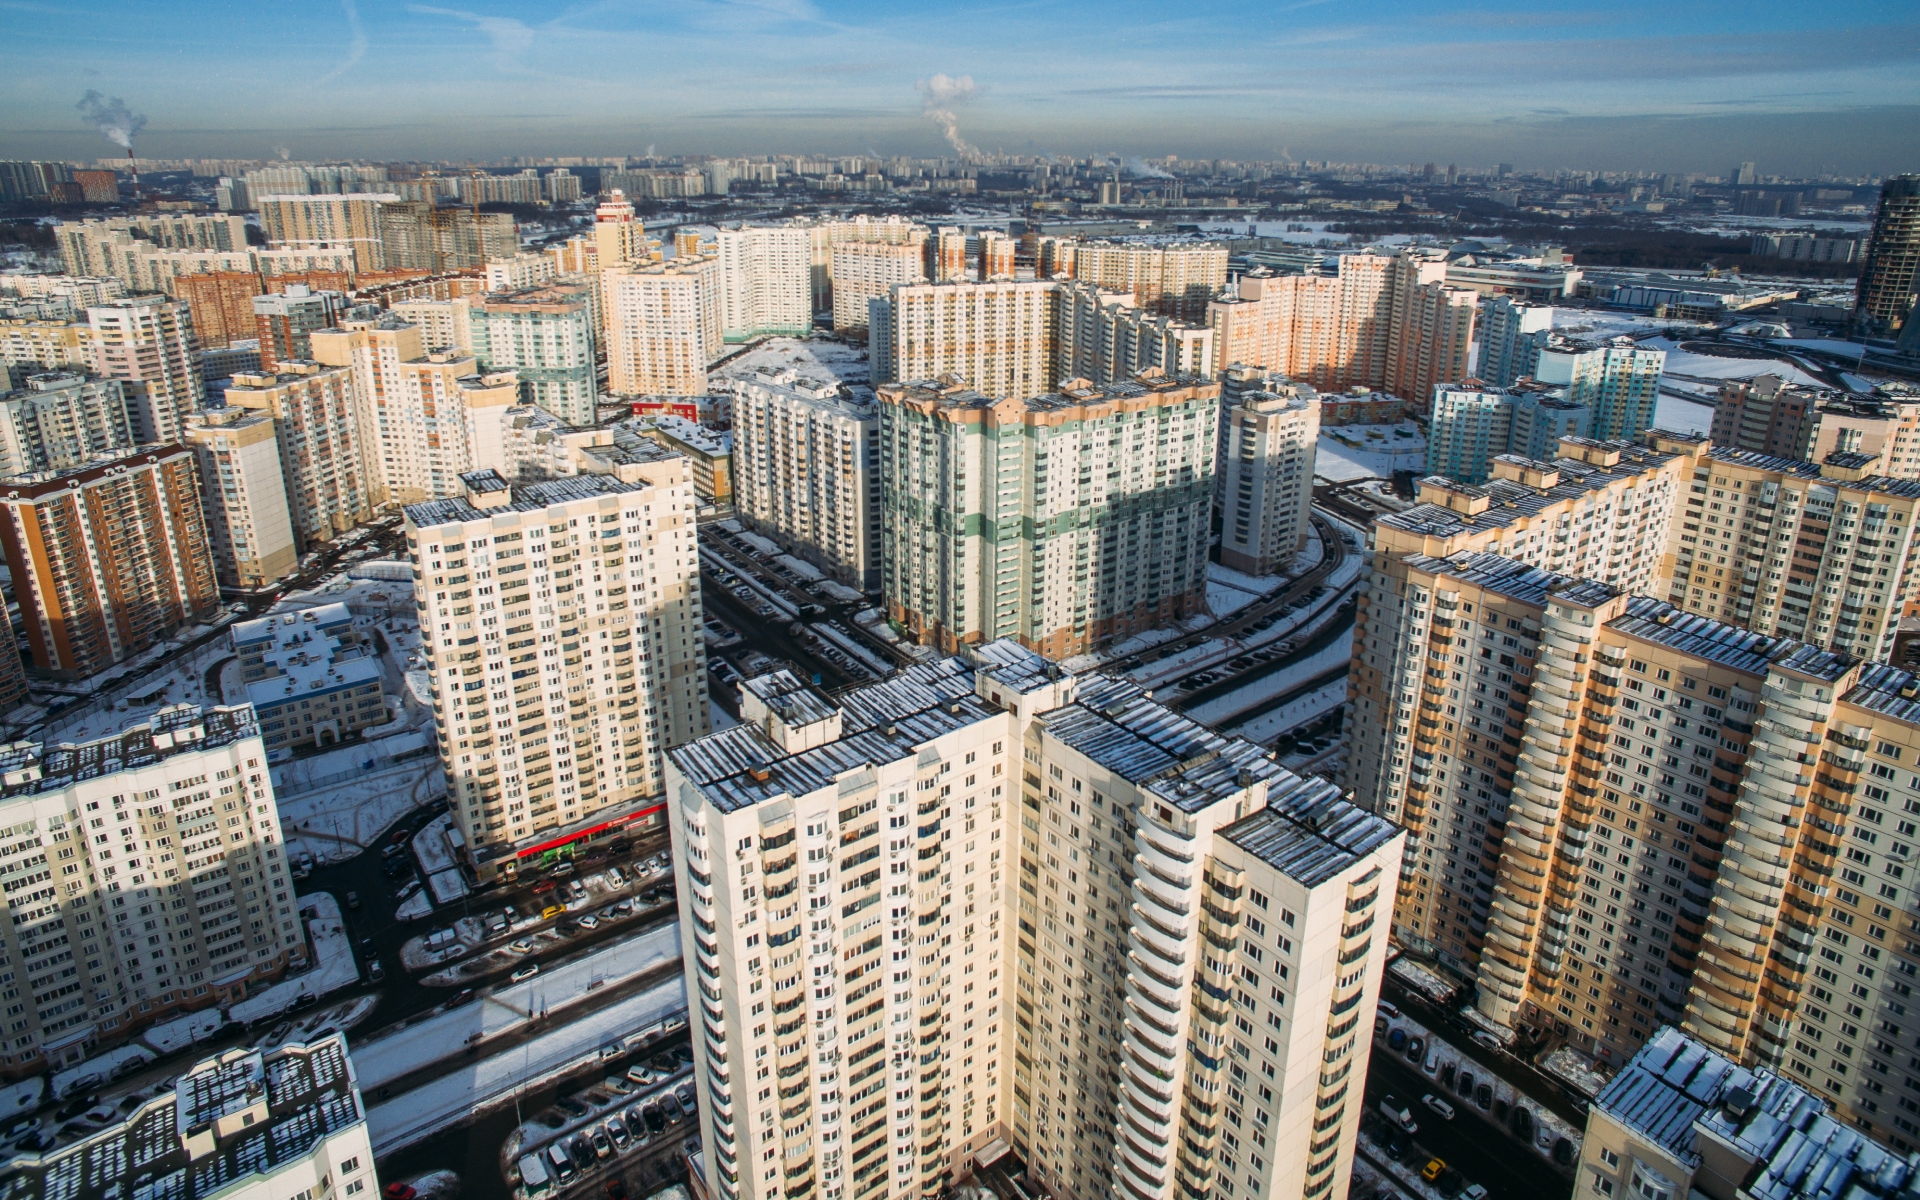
(1146, 935)
(1159, 1051)
(1138, 1180)
(1151, 1109)
(1164, 1021)
(1143, 1164)
(1179, 903)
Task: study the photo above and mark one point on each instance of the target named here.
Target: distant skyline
(1798, 89)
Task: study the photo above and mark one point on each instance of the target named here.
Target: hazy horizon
(1797, 90)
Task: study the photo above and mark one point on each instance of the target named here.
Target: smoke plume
(111, 116)
(283, 152)
(939, 96)
(1138, 167)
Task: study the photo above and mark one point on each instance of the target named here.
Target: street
(1468, 1144)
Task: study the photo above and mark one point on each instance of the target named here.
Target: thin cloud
(511, 37)
(356, 44)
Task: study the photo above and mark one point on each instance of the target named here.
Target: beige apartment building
(423, 418)
(865, 271)
(1059, 521)
(1176, 281)
(31, 346)
(562, 626)
(663, 327)
(105, 813)
(1768, 415)
(243, 488)
(961, 981)
(331, 221)
(313, 413)
(1825, 553)
(1266, 476)
(107, 558)
(62, 418)
(806, 471)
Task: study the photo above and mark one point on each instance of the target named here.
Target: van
(533, 1176)
(1393, 1110)
(562, 1165)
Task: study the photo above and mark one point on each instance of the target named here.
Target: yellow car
(1432, 1170)
(550, 912)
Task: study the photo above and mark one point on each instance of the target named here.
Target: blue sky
(1625, 84)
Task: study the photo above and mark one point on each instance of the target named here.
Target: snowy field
(334, 970)
(1224, 601)
(185, 1031)
(817, 358)
(479, 1086)
(1676, 414)
(505, 1007)
(1224, 708)
(343, 803)
(1294, 713)
(1591, 322)
(184, 683)
(1701, 373)
(96, 1071)
(1363, 451)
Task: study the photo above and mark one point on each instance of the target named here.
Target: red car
(545, 885)
(398, 1191)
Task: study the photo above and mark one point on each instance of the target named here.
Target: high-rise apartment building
(1266, 476)
(61, 419)
(1059, 521)
(284, 322)
(561, 678)
(1768, 415)
(148, 344)
(663, 327)
(1504, 329)
(1824, 553)
(867, 271)
(1616, 379)
(1472, 423)
(806, 471)
(1177, 280)
(766, 281)
(244, 492)
(1056, 1016)
(313, 413)
(1599, 512)
(423, 418)
(85, 245)
(221, 899)
(1890, 272)
(108, 557)
(30, 345)
(283, 1120)
(947, 254)
(221, 303)
(544, 335)
(996, 255)
(416, 236)
(1107, 338)
(1370, 324)
(332, 221)
(619, 237)
(523, 270)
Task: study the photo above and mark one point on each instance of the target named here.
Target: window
(351, 1165)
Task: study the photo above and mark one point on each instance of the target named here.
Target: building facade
(1266, 476)
(1059, 521)
(1177, 280)
(663, 327)
(805, 472)
(766, 279)
(1616, 379)
(62, 418)
(148, 344)
(1884, 297)
(313, 411)
(331, 221)
(1505, 326)
(864, 271)
(192, 779)
(1473, 423)
(284, 322)
(108, 557)
(310, 676)
(556, 692)
(243, 489)
(545, 336)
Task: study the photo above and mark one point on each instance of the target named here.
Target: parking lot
(587, 1136)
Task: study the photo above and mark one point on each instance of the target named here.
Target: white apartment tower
(805, 471)
(61, 418)
(663, 327)
(1000, 337)
(244, 490)
(147, 343)
(162, 880)
(1266, 476)
(766, 281)
(893, 975)
(562, 624)
(864, 271)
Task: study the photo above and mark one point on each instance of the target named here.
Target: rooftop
(1906, 489)
(1701, 637)
(299, 1095)
(1512, 578)
(527, 497)
(300, 653)
(1888, 690)
(1308, 833)
(693, 434)
(28, 768)
(1513, 502)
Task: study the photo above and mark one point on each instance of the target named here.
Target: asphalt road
(1475, 1148)
(1542, 1088)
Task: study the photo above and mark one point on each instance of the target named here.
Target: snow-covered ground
(96, 1071)
(1294, 713)
(1225, 708)
(1676, 414)
(816, 358)
(183, 682)
(334, 970)
(720, 717)
(1361, 451)
(1265, 585)
(800, 567)
(1592, 322)
(21, 1097)
(434, 848)
(1224, 601)
(185, 1031)
(486, 1083)
(505, 1007)
(1713, 367)
(350, 808)
(1577, 1069)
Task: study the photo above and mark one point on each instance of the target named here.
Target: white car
(1439, 1106)
(589, 922)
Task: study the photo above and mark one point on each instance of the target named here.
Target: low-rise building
(310, 676)
(247, 1122)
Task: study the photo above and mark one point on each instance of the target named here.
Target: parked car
(589, 922)
(1482, 1037)
(671, 1107)
(520, 946)
(545, 885)
(641, 1075)
(550, 912)
(375, 972)
(1432, 1170)
(685, 1093)
(603, 1146)
(617, 1130)
(526, 972)
(353, 899)
(1438, 1105)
